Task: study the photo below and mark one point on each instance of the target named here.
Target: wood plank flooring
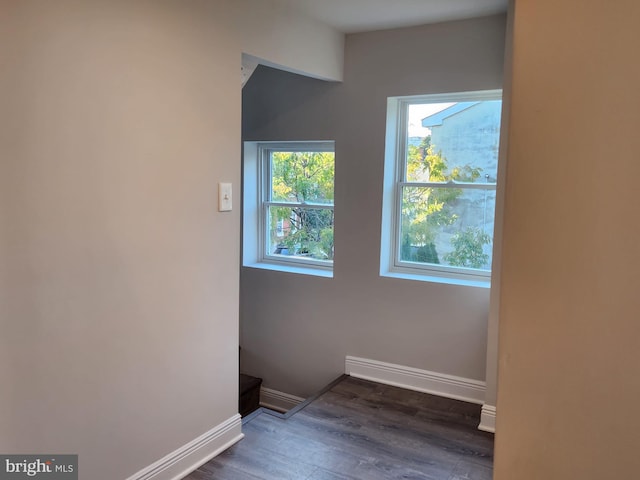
(361, 430)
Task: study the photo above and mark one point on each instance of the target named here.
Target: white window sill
(300, 270)
(463, 282)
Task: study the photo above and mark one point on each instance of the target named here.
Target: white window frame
(394, 182)
(257, 201)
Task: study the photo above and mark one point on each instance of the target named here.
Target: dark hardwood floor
(361, 430)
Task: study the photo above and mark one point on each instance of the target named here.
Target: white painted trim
(416, 379)
(488, 419)
(278, 401)
(190, 456)
(249, 65)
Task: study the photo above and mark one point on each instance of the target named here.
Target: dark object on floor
(249, 394)
(360, 430)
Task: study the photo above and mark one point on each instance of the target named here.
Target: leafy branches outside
(427, 210)
(305, 179)
(468, 250)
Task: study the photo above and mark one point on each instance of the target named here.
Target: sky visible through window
(419, 111)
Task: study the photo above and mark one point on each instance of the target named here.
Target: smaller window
(294, 218)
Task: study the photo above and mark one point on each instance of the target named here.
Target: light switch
(224, 197)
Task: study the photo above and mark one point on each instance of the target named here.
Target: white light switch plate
(224, 197)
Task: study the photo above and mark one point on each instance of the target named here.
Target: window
(294, 216)
(441, 170)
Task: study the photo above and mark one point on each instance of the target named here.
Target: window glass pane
(453, 141)
(302, 177)
(447, 226)
(301, 232)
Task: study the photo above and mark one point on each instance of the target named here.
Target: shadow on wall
(287, 92)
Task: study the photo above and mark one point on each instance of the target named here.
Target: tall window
(296, 203)
(440, 184)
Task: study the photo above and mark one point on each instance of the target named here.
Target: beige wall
(297, 329)
(119, 278)
(568, 384)
(491, 393)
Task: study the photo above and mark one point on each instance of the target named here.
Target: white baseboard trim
(488, 419)
(189, 457)
(278, 401)
(416, 379)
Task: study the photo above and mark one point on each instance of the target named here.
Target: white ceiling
(352, 16)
